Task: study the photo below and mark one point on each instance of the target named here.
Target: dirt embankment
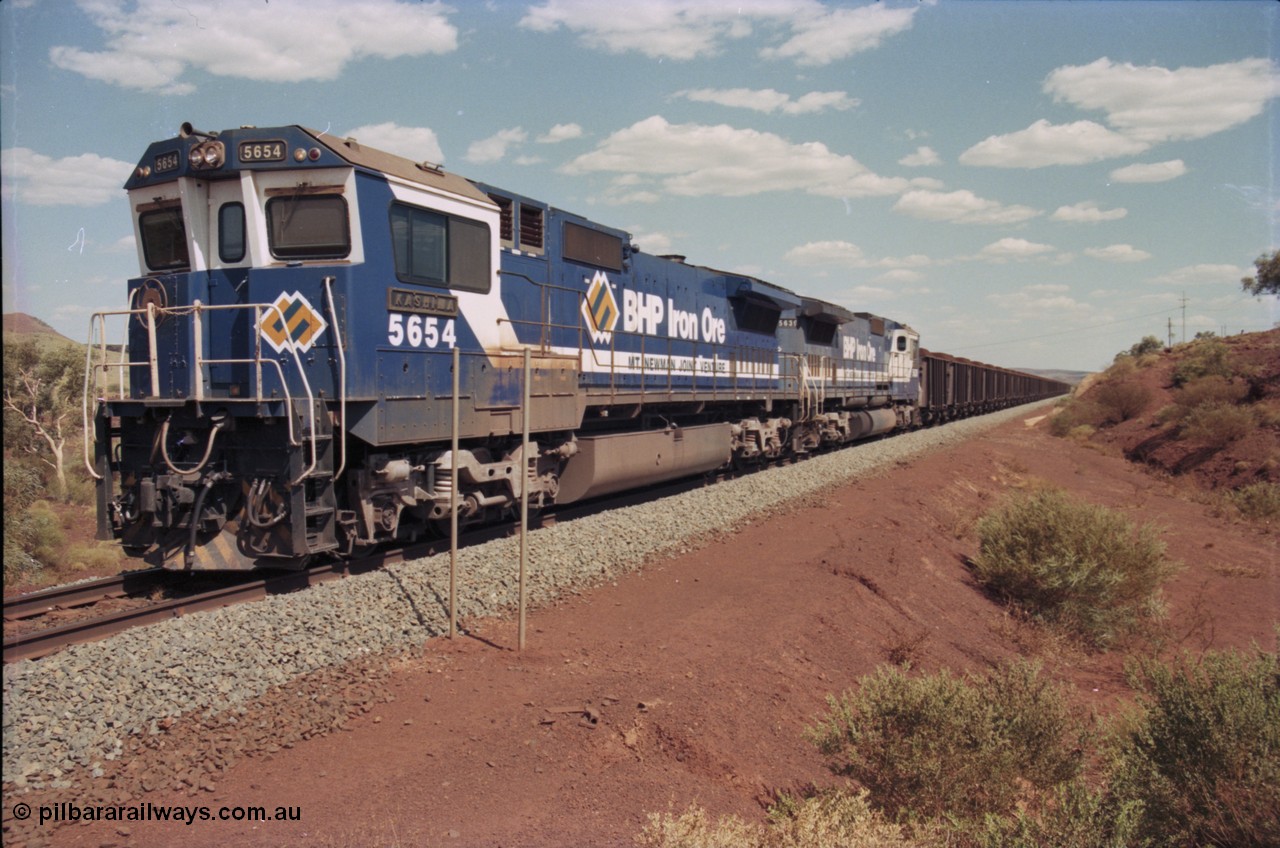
(693, 680)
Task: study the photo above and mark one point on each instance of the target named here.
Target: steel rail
(19, 607)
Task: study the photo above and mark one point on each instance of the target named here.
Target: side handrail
(342, 376)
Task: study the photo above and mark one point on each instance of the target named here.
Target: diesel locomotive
(279, 383)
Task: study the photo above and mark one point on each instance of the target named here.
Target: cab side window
(439, 250)
(231, 233)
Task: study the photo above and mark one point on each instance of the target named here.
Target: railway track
(32, 604)
(36, 643)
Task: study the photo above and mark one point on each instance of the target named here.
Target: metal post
(524, 490)
(453, 507)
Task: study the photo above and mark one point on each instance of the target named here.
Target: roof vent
(674, 257)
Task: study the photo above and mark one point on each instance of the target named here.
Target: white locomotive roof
(388, 163)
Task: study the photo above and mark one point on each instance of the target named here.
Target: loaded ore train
(284, 382)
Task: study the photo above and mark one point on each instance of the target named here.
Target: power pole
(1184, 317)
(1170, 332)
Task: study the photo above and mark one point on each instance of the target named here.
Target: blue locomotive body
(285, 386)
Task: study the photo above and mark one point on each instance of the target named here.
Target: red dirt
(701, 672)
(1255, 363)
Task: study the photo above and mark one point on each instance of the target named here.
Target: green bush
(1076, 413)
(1203, 759)
(22, 485)
(827, 820)
(98, 557)
(1210, 391)
(1072, 564)
(1257, 502)
(1208, 357)
(47, 539)
(938, 745)
(1076, 816)
(1218, 425)
(1121, 400)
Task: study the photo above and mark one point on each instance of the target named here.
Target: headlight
(211, 154)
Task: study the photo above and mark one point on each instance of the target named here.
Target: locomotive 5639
(284, 386)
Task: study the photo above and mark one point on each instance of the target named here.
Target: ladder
(313, 505)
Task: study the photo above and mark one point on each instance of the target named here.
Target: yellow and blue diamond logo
(600, 308)
(294, 318)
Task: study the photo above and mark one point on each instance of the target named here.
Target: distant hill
(1072, 377)
(22, 324)
(20, 327)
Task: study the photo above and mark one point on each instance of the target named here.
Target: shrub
(1073, 564)
(1214, 390)
(1076, 413)
(1148, 344)
(1257, 502)
(1121, 400)
(1218, 425)
(98, 557)
(940, 745)
(47, 539)
(1208, 357)
(1203, 759)
(22, 485)
(1075, 817)
(1124, 366)
(827, 820)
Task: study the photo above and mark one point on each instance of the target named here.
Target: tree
(41, 399)
(1149, 344)
(1267, 280)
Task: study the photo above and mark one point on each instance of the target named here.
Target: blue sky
(1031, 184)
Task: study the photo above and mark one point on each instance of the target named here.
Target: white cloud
(689, 29)
(84, 180)
(828, 253)
(1087, 212)
(769, 100)
(1013, 249)
(1205, 273)
(1034, 302)
(840, 33)
(652, 242)
(1157, 172)
(1043, 144)
(923, 157)
(1154, 104)
(150, 46)
(660, 29)
(902, 276)
(494, 147)
(845, 254)
(700, 160)
(561, 132)
(417, 143)
(1117, 253)
(961, 207)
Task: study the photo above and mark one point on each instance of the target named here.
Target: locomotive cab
(224, 416)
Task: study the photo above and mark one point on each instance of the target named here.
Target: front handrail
(148, 315)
